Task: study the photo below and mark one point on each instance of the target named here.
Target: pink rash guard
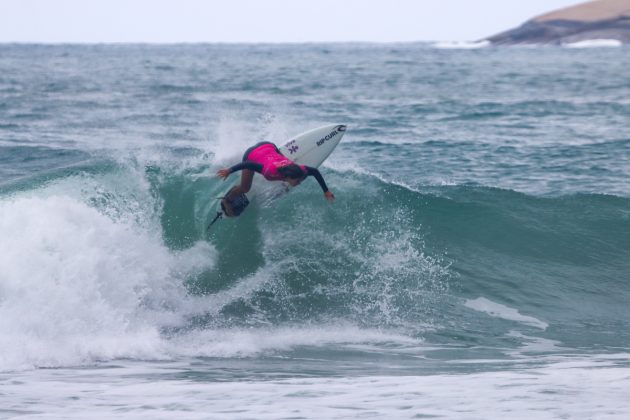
(271, 160)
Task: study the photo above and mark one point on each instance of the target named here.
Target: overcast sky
(165, 21)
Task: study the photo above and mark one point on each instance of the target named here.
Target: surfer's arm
(252, 166)
(314, 172)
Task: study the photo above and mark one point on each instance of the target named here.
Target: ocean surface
(475, 265)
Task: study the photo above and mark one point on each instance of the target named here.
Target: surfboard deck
(310, 148)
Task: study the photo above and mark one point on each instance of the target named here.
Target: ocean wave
(118, 263)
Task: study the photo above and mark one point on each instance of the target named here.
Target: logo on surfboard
(292, 146)
(328, 137)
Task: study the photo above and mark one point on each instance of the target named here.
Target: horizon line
(227, 42)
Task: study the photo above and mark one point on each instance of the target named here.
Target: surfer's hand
(329, 196)
(223, 173)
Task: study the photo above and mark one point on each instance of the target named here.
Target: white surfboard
(310, 148)
(313, 147)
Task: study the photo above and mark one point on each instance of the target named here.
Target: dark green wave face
(387, 256)
(482, 207)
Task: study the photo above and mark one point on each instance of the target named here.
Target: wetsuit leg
(247, 176)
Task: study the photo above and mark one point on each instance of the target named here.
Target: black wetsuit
(257, 167)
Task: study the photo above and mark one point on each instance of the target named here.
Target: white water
(461, 45)
(81, 285)
(76, 286)
(569, 388)
(504, 312)
(595, 43)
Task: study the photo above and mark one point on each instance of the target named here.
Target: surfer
(266, 159)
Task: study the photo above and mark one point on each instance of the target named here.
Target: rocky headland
(593, 20)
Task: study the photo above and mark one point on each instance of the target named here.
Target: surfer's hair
(291, 171)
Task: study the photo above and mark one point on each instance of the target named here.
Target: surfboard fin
(217, 217)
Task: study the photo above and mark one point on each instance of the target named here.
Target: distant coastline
(602, 22)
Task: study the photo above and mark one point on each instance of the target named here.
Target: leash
(217, 217)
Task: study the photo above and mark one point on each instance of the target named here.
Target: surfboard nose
(341, 127)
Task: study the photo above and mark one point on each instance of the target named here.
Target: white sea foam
(595, 43)
(584, 388)
(504, 312)
(531, 344)
(254, 342)
(461, 45)
(76, 286)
